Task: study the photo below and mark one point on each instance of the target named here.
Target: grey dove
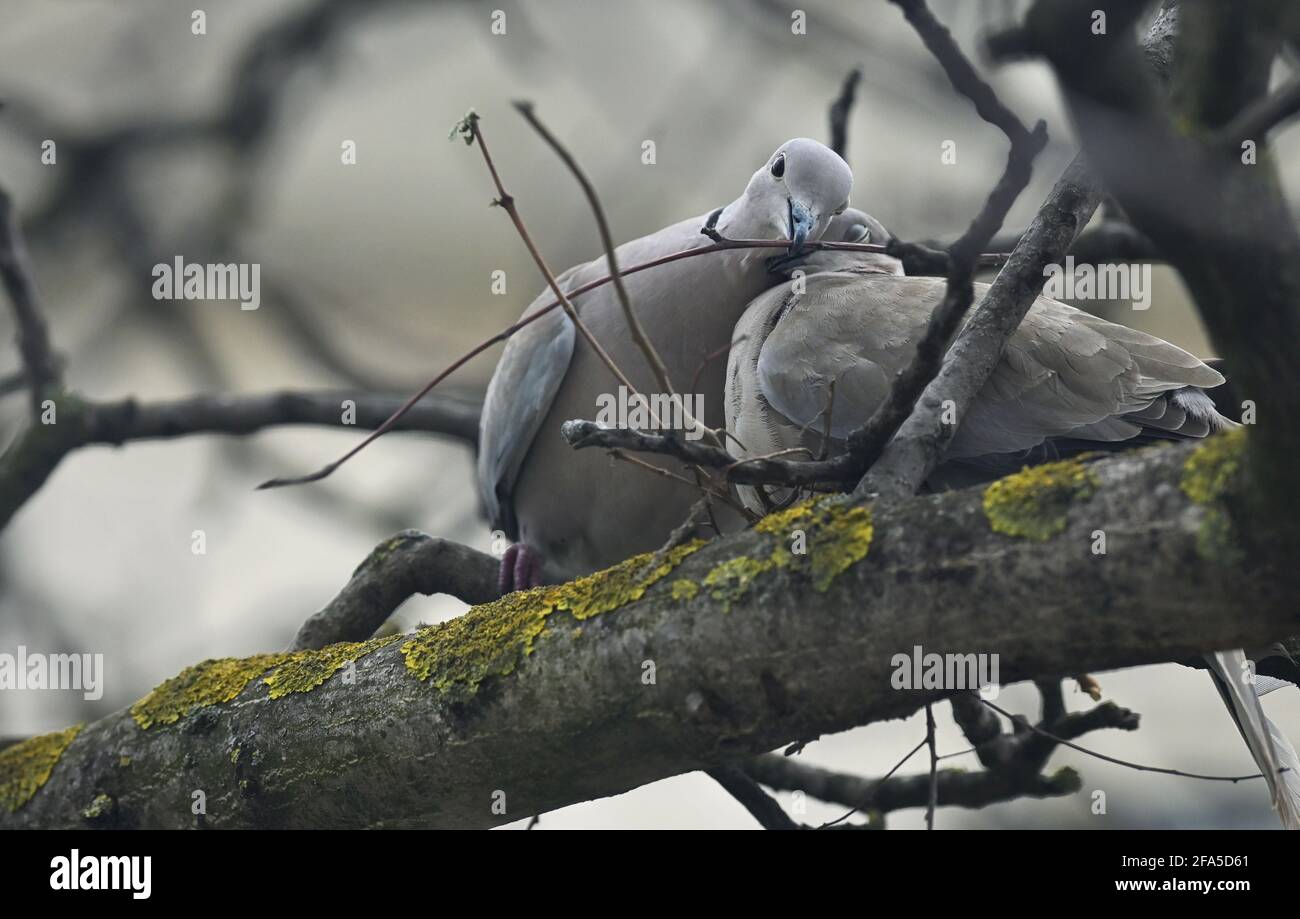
(1067, 381)
(575, 511)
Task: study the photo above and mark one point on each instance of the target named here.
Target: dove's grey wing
(788, 348)
(756, 427)
(520, 394)
(855, 330)
(1066, 373)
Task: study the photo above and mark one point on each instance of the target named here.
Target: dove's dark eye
(778, 165)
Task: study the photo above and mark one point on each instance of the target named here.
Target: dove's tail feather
(1273, 753)
(1289, 781)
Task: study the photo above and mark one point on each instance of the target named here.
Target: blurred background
(226, 146)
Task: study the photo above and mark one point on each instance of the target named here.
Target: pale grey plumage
(1065, 374)
(575, 507)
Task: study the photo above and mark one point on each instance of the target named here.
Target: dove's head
(855, 226)
(794, 196)
(852, 226)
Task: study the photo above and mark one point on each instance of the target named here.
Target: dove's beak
(802, 222)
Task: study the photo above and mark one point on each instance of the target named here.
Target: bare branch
(582, 434)
(1114, 241)
(761, 806)
(474, 134)
(1256, 121)
(129, 420)
(1110, 239)
(400, 567)
(1014, 762)
(607, 240)
(952, 787)
(1055, 738)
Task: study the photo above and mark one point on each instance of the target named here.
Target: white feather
(1273, 753)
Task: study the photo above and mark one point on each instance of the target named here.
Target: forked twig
(1121, 762)
(607, 240)
(473, 134)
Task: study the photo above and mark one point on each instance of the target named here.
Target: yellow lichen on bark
(27, 765)
(214, 682)
(1211, 477)
(492, 639)
(1034, 503)
(820, 538)
(211, 682)
(303, 671)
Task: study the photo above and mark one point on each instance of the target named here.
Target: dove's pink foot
(521, 568)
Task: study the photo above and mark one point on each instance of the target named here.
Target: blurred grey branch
(840, 109)
(41, 368)
(1110, 239)
(28, 461)
(97, 186)
(1265, 114)
(74, 422)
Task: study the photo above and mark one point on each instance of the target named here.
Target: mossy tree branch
(589, 689)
